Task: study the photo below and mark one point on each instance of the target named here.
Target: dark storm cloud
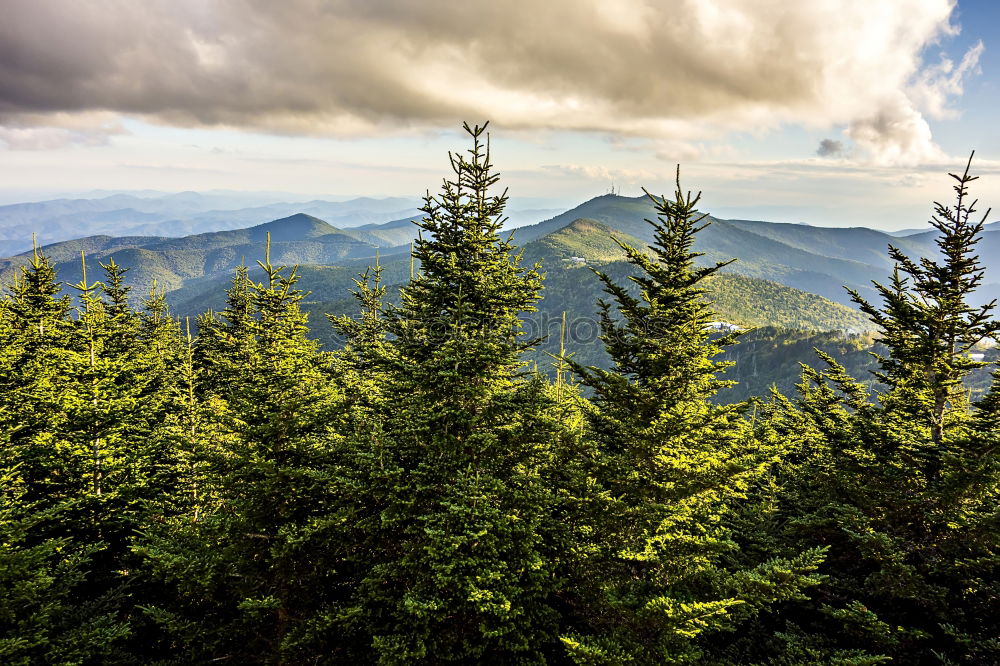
(665, 68)
(830, 148)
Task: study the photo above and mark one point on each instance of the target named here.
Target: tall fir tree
(360, 366)
(459, 571)
(122, 390)
(671, 464)
(903, 485)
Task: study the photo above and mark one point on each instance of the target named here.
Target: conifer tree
(360, 370)
(459, 571)
(160, 372)
(58, 598)
(360, 366)
(121, 391)
(670, 463)
(248, 554)
(227, 339)
(903, 484)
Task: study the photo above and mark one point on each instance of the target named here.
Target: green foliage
(459, 569)
(670, 463)
(242, 550)
(74, 468)
(361, 366)
(736, 299)
(38, 573)
(446, 486)
(902, 488)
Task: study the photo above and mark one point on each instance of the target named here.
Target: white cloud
(936, 86)
(604, 174)
(673, 150)
(60, 130)
(896, 135)
(681, 71)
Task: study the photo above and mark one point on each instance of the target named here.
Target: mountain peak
(612, 197)
(296, 227)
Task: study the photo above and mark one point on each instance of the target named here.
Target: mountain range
(186, 213)
(563, 244)
(815, 260)
(786, 275)
(821, 260)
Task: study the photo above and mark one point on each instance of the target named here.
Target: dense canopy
(225, 490)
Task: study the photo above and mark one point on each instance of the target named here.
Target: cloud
(602, 173)
(935, 86)
(680, 70)
(897, 135)
(59, 130)
(678, 151)
(830, 148)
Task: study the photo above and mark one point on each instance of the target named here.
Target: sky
(827, 112)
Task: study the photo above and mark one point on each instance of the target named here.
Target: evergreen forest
(224, 489)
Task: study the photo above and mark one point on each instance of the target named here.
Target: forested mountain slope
(179, 214)
(570, 286)
(172, 262)
(195, 271)
(759, 255)
(813, 259)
